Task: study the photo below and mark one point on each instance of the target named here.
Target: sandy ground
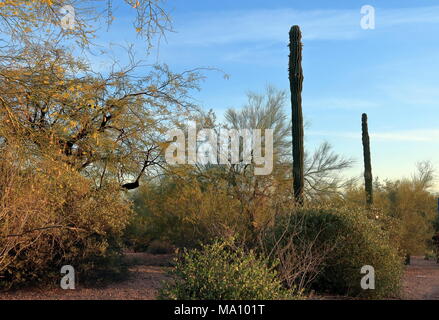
(421, 280)
(147, 271)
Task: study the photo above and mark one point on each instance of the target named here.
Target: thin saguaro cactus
(296, 85)
(367, 161)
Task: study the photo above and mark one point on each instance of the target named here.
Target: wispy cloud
(396, 17)
(264, 26)
(414, 94)
(340, 104)
(219, 28)
(419, 135)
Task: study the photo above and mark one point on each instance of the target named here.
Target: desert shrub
(160, 247)
(339, 242)
(301, 257)
(219, 272)
(188, 214)
(189, 208)
(52, 216)
(410, 203)
(430, 255)
(138, 235)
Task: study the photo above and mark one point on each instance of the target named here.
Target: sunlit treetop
(27, 20)
(108, 126)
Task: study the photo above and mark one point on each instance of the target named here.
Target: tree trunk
(296, 84)
(367, 162)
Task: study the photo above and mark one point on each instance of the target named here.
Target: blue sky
(391, 73)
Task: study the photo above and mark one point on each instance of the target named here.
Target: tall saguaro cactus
(367, 162)
(296, 85)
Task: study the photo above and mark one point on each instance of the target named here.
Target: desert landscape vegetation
(86, 181)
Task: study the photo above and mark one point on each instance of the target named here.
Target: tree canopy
(106, 125)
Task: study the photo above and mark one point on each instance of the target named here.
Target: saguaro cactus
(367, 162)
(296, 84)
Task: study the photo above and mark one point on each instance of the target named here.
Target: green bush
(187, 214)
(137, 235)
(410, 203)
(352, 240)
(218, 272)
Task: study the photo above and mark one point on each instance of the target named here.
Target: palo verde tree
(105, 125)
(321, 167)
(71, 137)
(24, 21)
(296, 83)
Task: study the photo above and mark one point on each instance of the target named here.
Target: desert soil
(147, 271)
(421, 280)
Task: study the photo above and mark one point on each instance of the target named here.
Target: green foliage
(218, 272)
(354, 240)
(137, 235)
(408, 202)
(430, 255)
(188, 213)
(190, 205)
